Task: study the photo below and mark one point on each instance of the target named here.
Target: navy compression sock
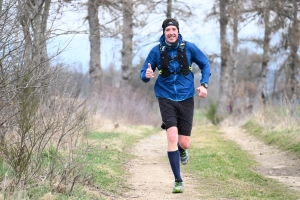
(175, 164)
(180, 148)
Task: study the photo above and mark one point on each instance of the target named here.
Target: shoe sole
(177, 191)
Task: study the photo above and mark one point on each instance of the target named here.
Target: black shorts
(179, 114)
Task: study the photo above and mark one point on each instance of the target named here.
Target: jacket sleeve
(202, 61)
(153, 59)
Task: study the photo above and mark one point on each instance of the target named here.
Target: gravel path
(274, 163)
(151, 177)
(151, 174)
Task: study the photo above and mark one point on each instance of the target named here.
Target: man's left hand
(202, 91)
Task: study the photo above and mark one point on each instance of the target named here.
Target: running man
(175, 90)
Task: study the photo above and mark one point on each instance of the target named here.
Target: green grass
(103, 165)
(285, 139)
(224, 170)
(106, 165)
(106, 160)
(103, 135)
(4, 170)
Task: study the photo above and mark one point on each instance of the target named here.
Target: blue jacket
(176, 87)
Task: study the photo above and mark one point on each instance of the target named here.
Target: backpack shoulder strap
(164, 61)
(182, 46)
(182, 59)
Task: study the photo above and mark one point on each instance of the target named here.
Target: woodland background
(46, 106)
(252, 68)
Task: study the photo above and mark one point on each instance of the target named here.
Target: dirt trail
(274, 163)
(151, 176)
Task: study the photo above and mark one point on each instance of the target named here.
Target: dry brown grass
(123, 107)
(277, 117)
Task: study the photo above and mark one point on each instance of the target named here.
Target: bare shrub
(47, 122)
(124, 105)
(43, 115)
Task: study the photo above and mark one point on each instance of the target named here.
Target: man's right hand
(149, 72)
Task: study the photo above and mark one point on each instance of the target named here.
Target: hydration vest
(181, 57)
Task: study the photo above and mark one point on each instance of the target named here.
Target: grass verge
(224, 170)
(106, 160)
(103, 169)
(287, 139)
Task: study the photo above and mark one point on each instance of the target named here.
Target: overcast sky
(204, 35)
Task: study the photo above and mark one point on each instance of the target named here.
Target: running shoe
(184, 157)
(178, 187)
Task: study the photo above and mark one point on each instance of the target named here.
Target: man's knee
(172, 134)
(184, 145)
(172, 139)
(184, 141)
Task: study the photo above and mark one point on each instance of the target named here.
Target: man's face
(171, 34)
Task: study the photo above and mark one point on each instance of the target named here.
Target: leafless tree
(94, 37)
(265, 7)
(276, 17)
(127, 40)
(294, 64)
(97, 30)
(41, 112)
(287, 25)
(234, 13)
(225, 67)
(143, 17)
(169, 9)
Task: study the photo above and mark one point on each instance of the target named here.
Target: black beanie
(169, 22)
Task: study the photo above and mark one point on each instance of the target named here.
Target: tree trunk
(94, 37)
(169, 9)
(258, 99)
(1, 2)
(127, 37)
(293, 58)
(224, 79)
(234, 57)
(34, 26)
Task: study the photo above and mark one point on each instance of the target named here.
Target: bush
(211, 113)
